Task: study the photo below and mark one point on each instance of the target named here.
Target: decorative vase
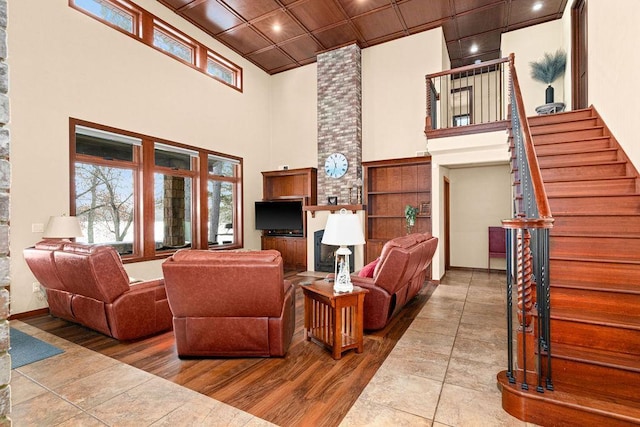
(410, 223)
(548, 95)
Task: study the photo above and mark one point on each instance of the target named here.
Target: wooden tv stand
(293, 250)
(286, 185)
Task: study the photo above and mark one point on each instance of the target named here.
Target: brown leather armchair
(87, 284)
(230, 303)
(399, 275)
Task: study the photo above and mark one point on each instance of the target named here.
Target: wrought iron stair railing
(527, 237)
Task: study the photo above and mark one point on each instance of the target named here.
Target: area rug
(26, 349)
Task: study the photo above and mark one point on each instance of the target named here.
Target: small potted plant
(410, 213)
(548, 69)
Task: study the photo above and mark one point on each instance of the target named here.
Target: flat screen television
(280, 217)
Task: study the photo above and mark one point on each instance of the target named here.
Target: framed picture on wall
(425, 209)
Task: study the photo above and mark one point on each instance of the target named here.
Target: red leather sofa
(399, 274)
(87, 284)
(228, 303)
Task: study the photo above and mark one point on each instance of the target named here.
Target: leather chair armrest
(378, 304)
(156, 284)
(141, 311)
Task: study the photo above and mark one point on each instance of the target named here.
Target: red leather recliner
(398, 276)
(87, 284)
(230, 303)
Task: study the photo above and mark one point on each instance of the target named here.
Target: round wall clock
(336, 165)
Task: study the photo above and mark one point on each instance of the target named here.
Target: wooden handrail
(536, 176)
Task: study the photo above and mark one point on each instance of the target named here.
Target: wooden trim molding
(467, 130)
(32, 313)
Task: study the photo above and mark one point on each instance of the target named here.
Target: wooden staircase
(594, 194)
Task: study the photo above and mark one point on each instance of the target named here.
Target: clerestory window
(129, 18)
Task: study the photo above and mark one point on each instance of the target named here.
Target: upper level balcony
(467, 100)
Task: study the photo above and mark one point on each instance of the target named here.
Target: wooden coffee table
(334, 319)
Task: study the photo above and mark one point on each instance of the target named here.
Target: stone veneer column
(339, 118)
(5, 180)
(174, 211)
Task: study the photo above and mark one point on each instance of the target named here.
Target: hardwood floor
(306, 387)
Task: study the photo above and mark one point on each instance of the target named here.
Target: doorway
(446, 200)
(579, 65)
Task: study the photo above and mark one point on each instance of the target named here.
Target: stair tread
(571, 152)
(593, 213)
(591, 195)
(595, 235)
(593, 178)
(579, 397)
(612, 359)
(567, 130)
(563, 113)
(627, 288)
(605, 319)
(579, 165)
(533, 121)
(602, 214)
(602, 260)
(591, 138)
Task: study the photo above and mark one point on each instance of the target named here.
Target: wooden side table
(334, 320)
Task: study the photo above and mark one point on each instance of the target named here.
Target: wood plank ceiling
(278, 35)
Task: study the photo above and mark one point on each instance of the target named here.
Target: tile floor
(441, 373)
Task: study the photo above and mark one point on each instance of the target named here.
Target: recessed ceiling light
(537, 6)
(276, 27)
(474, 48)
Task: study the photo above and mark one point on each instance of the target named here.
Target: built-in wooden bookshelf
(290, 184)
(389, 186)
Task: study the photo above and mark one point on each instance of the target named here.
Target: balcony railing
(469, 99)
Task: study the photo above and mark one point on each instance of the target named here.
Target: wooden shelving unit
(290, 184)
(389, 186)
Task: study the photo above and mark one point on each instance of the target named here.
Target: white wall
(478, 200)
(65, 64)
(394, 94)
(614, 60)
(294, 118)
(567, 46)
(530, 44)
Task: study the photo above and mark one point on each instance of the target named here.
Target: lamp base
(342, 285)
(342, 281)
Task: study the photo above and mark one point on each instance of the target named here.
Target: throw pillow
(367, 270)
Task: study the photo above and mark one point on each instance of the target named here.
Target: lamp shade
(343, 229)
(63, 227)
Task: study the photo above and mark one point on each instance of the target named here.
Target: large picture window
(148, 197)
